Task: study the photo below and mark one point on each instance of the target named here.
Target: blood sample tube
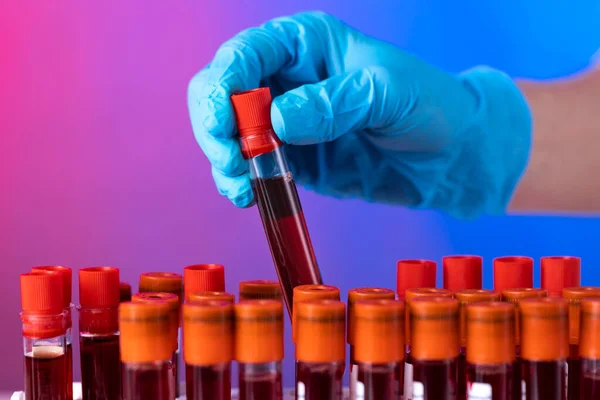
(44, 331)
(411, 274)
(491, 355)
(590, 349)
(99, 296)
(207, 296)
(355, 295)
(312, 292)
(544, 347)
(320, 349)
(574, 295)
(411, 294)
(203, 278)
(208, 349)
(434, 352)
(275, 193)
(378, 348)
(67, 284)
(125, 292)
(462, 272)
(260, 289)
(146, 349)
(259, 348)
(166, 282)
(466, 297)
(560, 272)
(515, 296)
(513, 272)
(172, 300)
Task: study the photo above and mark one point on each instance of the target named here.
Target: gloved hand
(365, 119)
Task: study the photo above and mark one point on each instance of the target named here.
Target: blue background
(98, 164)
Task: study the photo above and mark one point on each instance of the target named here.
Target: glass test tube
(44, 336)
(99, 297)
(491, 355)
(378, 348)
(320, 349)
(434, 347)
(355, 295)
(412, 294)
(513, 272)
(411, 274)
(260, 289)
(275, 193)
(544, 347)
(146, 348)
(207, 296)
(259, 348)
(515, 296)
(589, 383)
(172, 300)
(574, 295)
(462, 272)
(67, 279)
(208, 349)
(124, 292)
(559, 272)
(466, 297)
(167, 282)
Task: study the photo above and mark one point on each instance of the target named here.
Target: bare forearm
(563, 174)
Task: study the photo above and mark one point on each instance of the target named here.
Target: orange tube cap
(207, 296)
(360, 294)
(414, 293)
(590, 329)
(574, 295)
(434, 328)
(320, 335)
(471, 296)
(260, 289)
(166, 282)
(544, 329)
(490, 332)
(208, 332)
(258, 331)
(311, 292)
(379, 336)
(172, 301)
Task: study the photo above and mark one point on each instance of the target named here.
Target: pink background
(99, 166)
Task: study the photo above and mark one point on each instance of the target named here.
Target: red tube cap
(67, 278)
(253, 118)
(203, 278)
(412, 274)
(559, 273)
(99, 287)
(42, 292)
(462, 272)
(513, 272)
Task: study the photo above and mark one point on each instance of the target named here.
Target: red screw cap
(462, 272)
(413, 274)
(513, 272)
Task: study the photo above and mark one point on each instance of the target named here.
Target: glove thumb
(324, 111)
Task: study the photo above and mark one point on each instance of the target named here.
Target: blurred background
(99, 166)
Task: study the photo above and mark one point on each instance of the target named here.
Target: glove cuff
(502, 129)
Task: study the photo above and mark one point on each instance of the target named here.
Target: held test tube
(378, 348)
(99, 297)
(260, 289)
(411, 294)
(515, 296)
(574, 295)
(146, 349)
(355, 295)
(167, 282)
(275, 193)
(259, 348)
(434, 352)
(544, 347)
(67, 280)
(44, 331)
(172, 301)
(208, 349)
(590, 349)
(466, 297)
(491, 355)
(320, 349)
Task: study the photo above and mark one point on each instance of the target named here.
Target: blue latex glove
(365, 119)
